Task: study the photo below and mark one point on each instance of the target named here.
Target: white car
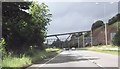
(73, 48)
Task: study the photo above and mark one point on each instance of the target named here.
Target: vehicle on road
(73, 48)
(66, 49)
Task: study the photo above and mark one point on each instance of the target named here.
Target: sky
(78, 16)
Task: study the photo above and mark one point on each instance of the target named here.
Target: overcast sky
(78, 16)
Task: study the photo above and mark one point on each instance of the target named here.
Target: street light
(47, 43)
(117, 26)
(78, 42)
(105, 24)
(78, 39)
(105, 28)
(91, 37)
(83, 39)
(106, 34)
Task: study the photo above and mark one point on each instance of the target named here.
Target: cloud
(78, 16)
(78, 0)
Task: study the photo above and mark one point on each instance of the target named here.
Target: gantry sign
(67, 34)
(77, 34)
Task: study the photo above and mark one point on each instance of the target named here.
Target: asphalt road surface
(78, 58)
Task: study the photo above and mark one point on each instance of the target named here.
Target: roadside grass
(49, 52)
(110, 49)
(12, 61)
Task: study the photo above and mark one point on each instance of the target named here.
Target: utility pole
(106, 34)
(105, 28)
(117, 26)
(91, 37)
(83, 40)
(77, 35)
(78, 42)
(47, 43)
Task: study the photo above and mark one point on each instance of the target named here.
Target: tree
(41, 18)
(118, 17)
(116, 39)
(114, 19)
(13, 19)
(97, 24)
(24, 25)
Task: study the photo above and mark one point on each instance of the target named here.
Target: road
(79, 58)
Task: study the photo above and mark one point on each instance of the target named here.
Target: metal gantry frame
(70, 34)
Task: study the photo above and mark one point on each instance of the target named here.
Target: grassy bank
(105, 49)
(12, 61)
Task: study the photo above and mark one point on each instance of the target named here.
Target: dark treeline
(24, 25)
(100, 23)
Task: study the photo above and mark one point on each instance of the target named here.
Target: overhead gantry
(72, 33)
(77, 34)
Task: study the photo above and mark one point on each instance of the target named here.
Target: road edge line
(97, 64)
(49, 60)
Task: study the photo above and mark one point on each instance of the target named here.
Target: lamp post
(105, 24)
(117, 26)
(78, 42)
(105, 28)
(91, 37)
(47, 43)
(78, 39)
(106, 34)
(83, 39)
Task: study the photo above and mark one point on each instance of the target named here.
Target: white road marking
(49, 60)
(66, 52)
(96, 63)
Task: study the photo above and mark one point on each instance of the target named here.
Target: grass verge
(104, 49)
(10, 61)
(18, 62)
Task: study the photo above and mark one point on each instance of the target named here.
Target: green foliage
(105, 49)
(40, 19)
(116, 39)
(97, 24)
(13, 24)
(58, 43)
(2, 47)
(37, 55)
(114, 19)
(10, 61)
(20, 61)
(87, 34)
(24, 25)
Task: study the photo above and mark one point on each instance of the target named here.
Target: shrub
(97, 24)
(116, 39)
(2, 47)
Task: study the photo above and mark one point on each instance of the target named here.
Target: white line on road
(49, 60)
(96, 64)
(61, 53)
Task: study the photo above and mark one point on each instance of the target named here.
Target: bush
(116, 39)
(2, 47)
(97, 24)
